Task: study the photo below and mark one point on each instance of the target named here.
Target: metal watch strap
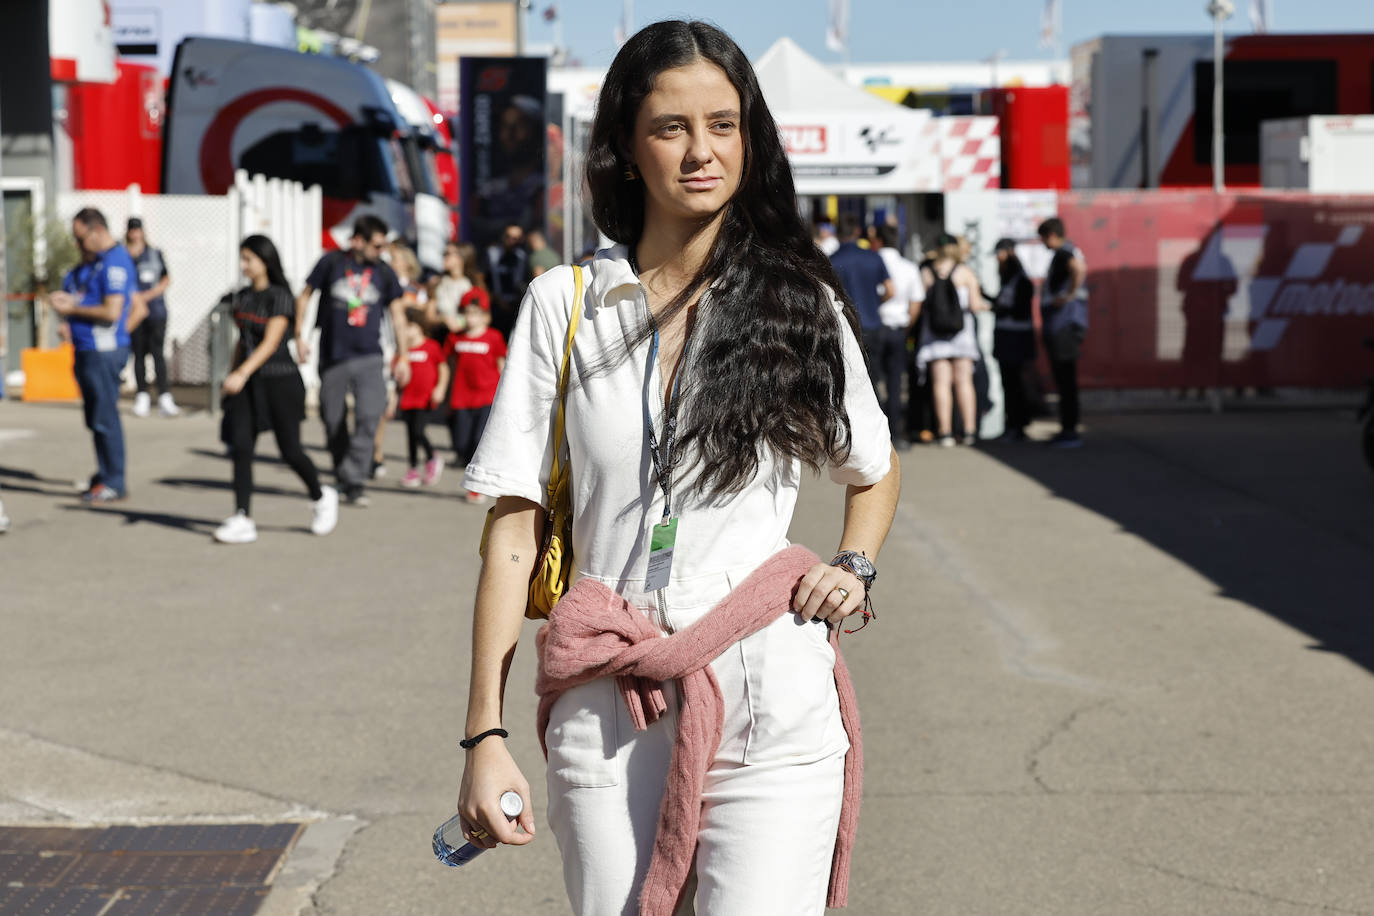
(845, 559)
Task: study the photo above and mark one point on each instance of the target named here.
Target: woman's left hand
(828, 593)
(233, 383)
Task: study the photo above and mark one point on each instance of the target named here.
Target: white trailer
(1327, 154)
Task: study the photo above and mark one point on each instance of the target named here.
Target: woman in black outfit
(265, 391)
(1014, 340)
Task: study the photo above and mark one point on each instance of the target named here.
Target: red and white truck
(302, 117)
(1142, 104)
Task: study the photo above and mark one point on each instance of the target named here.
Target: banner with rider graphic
(504, 138)
(1192, 289)
(1196, 289)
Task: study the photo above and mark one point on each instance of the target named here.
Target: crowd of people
(920, 333)
(392, 343)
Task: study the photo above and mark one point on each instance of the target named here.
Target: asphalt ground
(1131, 679)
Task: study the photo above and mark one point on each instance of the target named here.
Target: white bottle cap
(511, 804)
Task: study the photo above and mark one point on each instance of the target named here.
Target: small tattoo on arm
(515, 558)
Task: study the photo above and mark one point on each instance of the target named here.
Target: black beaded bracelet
(468, 744)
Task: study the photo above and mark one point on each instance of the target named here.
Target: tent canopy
(792, 80)
(842, 139)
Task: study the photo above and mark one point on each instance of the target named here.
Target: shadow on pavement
(1276, 509)
(60, 489)
(271, 457)
(224, 483)
(203, 527)
(200, 526)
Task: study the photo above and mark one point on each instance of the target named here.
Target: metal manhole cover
(172, 870)
(180, 902)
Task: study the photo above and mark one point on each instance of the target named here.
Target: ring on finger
(844, 592)
(478, 833)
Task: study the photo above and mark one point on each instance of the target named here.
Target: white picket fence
(199, 237)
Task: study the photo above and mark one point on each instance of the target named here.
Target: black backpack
(944, 314)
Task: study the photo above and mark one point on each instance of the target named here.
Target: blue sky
(893, 30)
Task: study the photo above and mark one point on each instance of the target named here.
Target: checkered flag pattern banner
(970, 152)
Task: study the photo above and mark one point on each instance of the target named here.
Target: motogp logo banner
(1241, 289)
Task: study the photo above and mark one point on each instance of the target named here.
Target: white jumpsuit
(772, 796)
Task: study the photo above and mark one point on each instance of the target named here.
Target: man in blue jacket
(99, 311)
(867, 283)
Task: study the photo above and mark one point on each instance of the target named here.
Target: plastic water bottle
(511, 807)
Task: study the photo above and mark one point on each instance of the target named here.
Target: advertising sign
(865, 152)
(470, 29)
(502, 117)
(1193, 290)
(1232, 290)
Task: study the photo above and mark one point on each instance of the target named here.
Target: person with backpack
(1013, 342)
(1064, 316)
(949, 340)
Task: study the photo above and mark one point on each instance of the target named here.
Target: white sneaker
(946, 442)
(325, 511)
(142, 404)
(237, 529)
(166, 406)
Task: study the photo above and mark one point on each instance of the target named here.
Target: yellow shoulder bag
(549, 580)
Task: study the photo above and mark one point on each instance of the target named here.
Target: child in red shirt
(428, 376)
(481, 358)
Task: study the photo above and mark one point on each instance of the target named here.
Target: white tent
(842, 139)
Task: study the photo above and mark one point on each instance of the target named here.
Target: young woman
(712, 363)
(950, 359)
(461, 274)
(265, 391)
(406, 266)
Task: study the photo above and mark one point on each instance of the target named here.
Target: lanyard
(664, 459)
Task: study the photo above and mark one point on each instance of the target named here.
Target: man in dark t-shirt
(868, 285)
(355, 286)
(1064, 315)
(508, 274)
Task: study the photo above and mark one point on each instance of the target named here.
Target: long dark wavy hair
(262, 247)
(767, 367)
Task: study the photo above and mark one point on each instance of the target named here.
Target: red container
(1035, 136)
(116, 131)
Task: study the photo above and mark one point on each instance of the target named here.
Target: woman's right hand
(490, 770)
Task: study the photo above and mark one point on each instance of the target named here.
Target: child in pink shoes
(425, 391)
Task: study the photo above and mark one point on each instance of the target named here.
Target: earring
(629, 173)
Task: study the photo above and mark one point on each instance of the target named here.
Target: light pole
(993, 61)
(1220, 11)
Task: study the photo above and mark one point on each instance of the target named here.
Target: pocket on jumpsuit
(790, 671)
(583, 736)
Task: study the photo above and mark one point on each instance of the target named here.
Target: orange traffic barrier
(49, 374)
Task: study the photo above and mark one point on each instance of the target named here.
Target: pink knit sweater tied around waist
(594, 633)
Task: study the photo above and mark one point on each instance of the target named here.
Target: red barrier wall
(1192, 289)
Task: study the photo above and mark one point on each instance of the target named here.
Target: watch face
(863, 567)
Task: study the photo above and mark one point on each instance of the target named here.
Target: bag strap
(556, 472)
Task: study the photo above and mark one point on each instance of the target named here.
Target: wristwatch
(858, 564)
